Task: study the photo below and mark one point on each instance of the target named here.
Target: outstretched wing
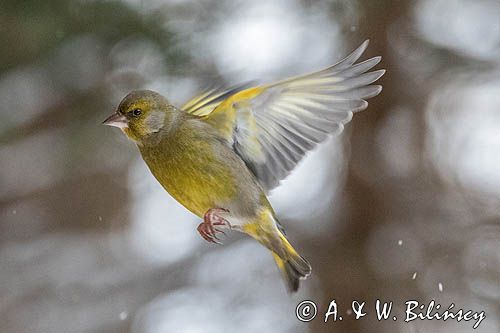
(272, 126)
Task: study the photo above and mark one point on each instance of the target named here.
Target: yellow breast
(188, 167)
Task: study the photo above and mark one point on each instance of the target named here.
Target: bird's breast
(192, 173)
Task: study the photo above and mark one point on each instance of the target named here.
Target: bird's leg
(212, 221)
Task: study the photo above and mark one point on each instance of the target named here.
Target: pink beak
(116, 120)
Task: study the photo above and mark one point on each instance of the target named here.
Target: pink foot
(211, 219)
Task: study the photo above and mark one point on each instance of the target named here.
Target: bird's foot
(212, 224)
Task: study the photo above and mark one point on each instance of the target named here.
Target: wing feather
(204, 103)
(274, 126)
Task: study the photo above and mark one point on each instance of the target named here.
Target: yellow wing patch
(272, 127)
(226, 115)
(208, 100)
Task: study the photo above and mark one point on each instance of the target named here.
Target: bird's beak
(116, 120)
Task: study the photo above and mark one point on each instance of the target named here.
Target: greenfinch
(222, 152)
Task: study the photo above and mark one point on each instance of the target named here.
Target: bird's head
(142, 113)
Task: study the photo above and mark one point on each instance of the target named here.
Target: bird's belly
(199, 194)
(196, 182)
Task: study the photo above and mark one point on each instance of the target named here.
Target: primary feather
(271, 127)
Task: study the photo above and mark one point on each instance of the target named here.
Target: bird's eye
(136, 112)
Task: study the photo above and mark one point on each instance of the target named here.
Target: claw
(211, 219)
(202, 229)
(220, 230)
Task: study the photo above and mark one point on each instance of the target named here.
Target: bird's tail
(292, 265)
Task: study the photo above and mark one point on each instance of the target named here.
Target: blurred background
(405, 204)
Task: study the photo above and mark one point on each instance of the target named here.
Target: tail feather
(291, 272)
(292, 265)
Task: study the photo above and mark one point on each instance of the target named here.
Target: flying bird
(222, 152)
